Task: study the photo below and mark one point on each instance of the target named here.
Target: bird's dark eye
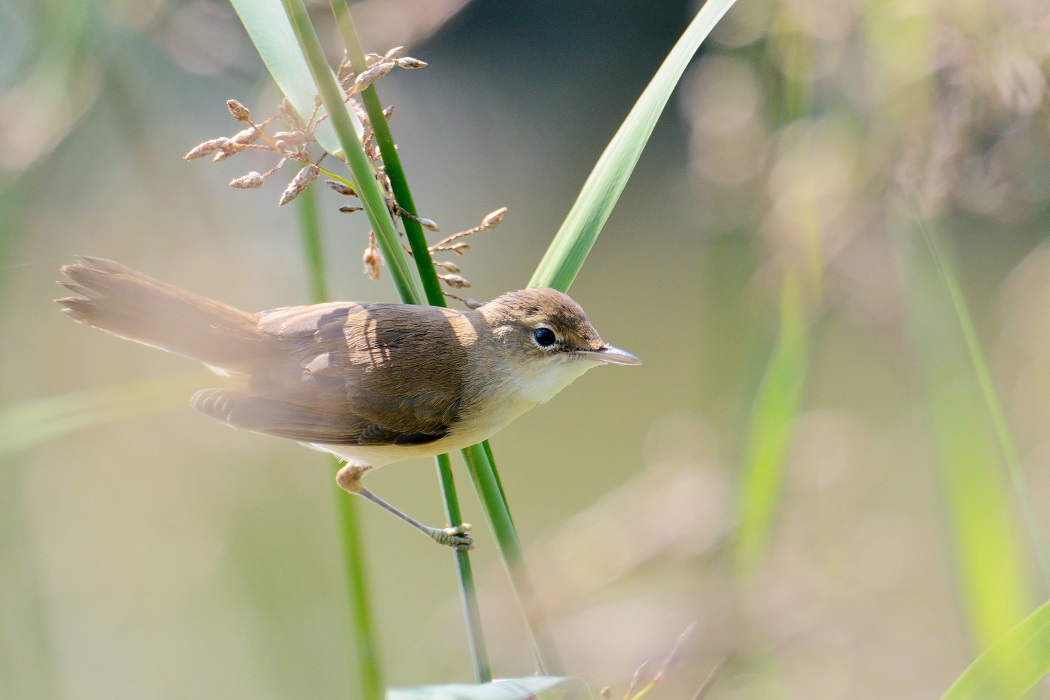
(544, 337)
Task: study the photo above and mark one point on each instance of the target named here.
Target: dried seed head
(372, 152)
(238, 111)
(447, 265)
(636, 679)
(341, 188)
(290, 139)
(205, 149)
(251, 181)
(246, 137)
(410, 63)
(271, 171)
(493, 219)
(397, 210)
(288, 114)
(372, 259)
(393, 53)
(676, 652)
(300, 182)
(371, 75)
(469, 303)
(372, 58)
(348, 209)
(360, 111)
(372, 265)
(454, 281)
(605, 693)
(228, 150)
(460, 248)
(388, 112)
(345, 72)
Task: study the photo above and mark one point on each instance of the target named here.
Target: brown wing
(365, 374)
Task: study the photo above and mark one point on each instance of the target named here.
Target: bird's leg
(349, 479)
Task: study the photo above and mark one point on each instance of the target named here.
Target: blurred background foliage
(804, 360)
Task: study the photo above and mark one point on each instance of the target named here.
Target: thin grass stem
(391, 160)
(471, 610)
(361, 170)
(367, 669)
(435, 297)
(489, 491)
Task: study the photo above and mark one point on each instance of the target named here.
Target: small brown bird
(371, 383)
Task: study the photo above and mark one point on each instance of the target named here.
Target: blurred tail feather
(133, 306)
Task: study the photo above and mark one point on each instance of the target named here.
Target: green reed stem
(360, 168)
(486, 483)
(366, 671)
(435, 297)
(391, 160)
(471, 610)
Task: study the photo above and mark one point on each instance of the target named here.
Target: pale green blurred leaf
(31, 423)
(1024, 651)
(772, 426)
(982, 375)
(603, 187)
(528, 688)
(267, 25)
(993, 576)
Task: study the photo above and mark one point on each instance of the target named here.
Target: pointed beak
(612, 355)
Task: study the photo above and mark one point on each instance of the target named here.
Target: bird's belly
(471, 430)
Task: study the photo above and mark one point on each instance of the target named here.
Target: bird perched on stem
(371, 383)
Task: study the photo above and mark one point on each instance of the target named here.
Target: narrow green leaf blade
(772, 426)
(982, 375)
(603, 187)
(1024, 652)
(994, 578)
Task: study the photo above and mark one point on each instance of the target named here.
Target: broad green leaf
(1023, 652)
(603, 187)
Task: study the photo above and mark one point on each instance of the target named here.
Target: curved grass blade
(1023, 652)
(603, 187)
